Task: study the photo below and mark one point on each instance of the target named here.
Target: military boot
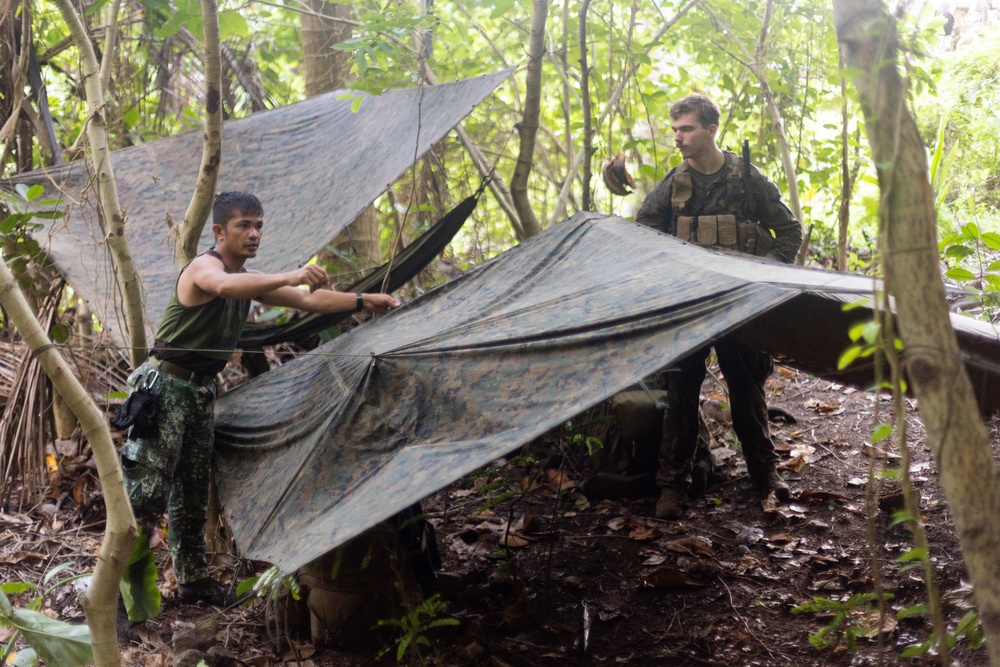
(208, 591)
(672, 503)
(769, 480)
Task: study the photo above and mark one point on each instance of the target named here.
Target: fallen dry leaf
(528, 523)
(795, 464)
(667, 577)
(642, 534)
(617, 523)
(530, 483)
(654, 559)
(559, 480)
(514, 541)
(879, 454)
(889, 624)
(692, 544)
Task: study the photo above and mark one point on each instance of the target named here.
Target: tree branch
(113, 219)
(527, 129)
(189, 232)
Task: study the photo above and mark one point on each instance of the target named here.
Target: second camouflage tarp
(319, 449)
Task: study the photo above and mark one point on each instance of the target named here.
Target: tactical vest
(726, 223)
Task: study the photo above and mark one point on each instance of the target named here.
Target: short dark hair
(227, 204)
(699, 104)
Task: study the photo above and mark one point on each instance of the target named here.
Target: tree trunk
(326, 71)
(107, 189)
(844, 214)
(588, 120)
(957, 437)
(203, 197)
(485, 169)
(101, 602)
(527, 129)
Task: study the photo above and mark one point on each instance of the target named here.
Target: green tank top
(201, 338)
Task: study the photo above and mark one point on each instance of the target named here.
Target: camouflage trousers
(171, 471)
(745, 371)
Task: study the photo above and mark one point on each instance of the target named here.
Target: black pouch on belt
(140, 410)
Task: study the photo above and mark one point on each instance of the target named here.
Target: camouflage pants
(171, 471)
(745, 371)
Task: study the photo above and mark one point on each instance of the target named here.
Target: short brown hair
(706, 110)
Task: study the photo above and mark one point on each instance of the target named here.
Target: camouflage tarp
(316, 451)
(315, 166)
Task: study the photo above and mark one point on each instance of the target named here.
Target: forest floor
(536, 572)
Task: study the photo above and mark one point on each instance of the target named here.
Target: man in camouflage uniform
(705, 200)
(196, 337)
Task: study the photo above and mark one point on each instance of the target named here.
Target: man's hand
(379, 303)
(315, 277)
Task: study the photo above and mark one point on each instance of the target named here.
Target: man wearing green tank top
(197, 335)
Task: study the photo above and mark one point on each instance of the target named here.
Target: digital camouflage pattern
(317, 450)
(744, 369)
(171, 471)
(727, 195)
(315, 165)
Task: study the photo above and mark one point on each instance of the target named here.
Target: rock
(200, 639)
(189, 658)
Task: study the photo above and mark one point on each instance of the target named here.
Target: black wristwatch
(360, 302)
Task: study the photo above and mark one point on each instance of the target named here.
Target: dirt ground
(536, 572)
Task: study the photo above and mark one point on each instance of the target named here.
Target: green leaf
(57, 642)
(959, 252)
(860, 303)
(23, 658)
(48, 215)
(6, 608)
(849, 355)
(356, 103)
(857, 330)
(22, 189)
(115, 394)
(138, 584)
(231, 25)
(991, 240)
(16, 587)
(131, 117)
(971, 231)
(916, 553)
(916, 650)
(62, 567)
(96, 6)
(60, 333)
(35, 191)
(501, 8)
(915, 610)
(245, 586)
(881, 432)
(960, 274)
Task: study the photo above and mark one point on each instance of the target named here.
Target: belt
(181, 373)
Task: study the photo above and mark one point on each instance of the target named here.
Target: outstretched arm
(206, 278)
(326, 301)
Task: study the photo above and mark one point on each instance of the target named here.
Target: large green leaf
(57, 642)
(138, 584)
(232, 24)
